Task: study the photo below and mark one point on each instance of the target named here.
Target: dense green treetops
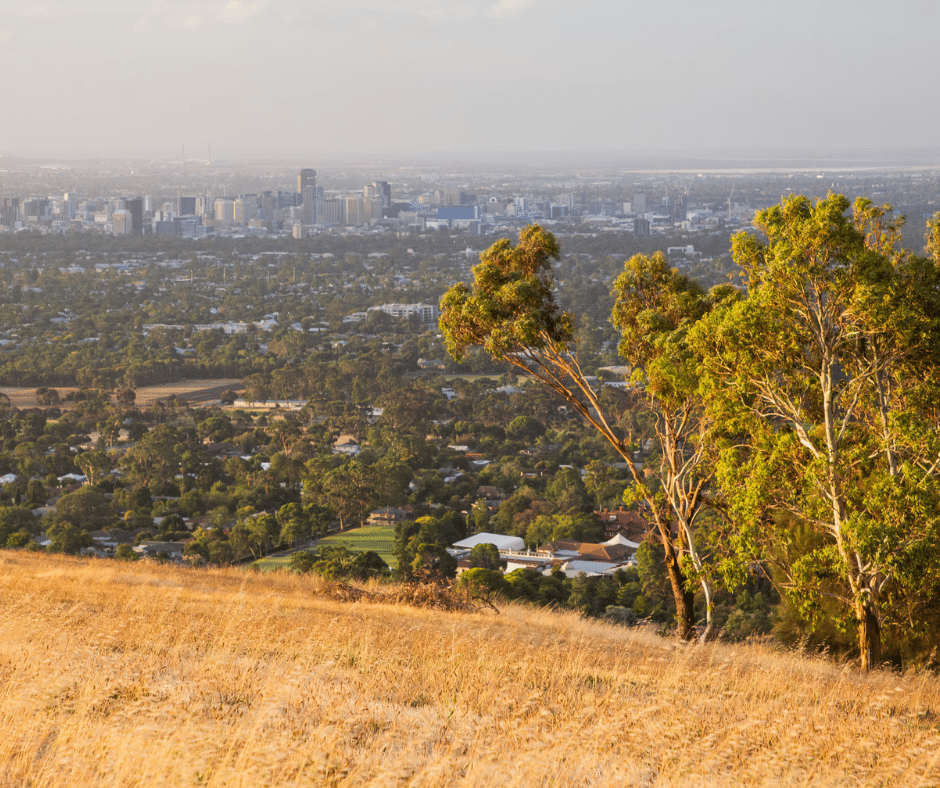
(827, 373)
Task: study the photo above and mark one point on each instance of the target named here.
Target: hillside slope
(139, 675)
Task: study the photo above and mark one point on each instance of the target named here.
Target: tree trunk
(709, 632)
(869, 635)
(684, 599)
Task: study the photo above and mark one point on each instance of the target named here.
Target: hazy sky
(468, 77)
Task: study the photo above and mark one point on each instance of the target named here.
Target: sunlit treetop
(510, 307)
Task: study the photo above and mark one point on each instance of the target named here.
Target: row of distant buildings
(309, 209)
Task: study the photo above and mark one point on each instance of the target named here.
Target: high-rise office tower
(371, 208)
(122, 222)
(307, 189)
(246, 209)
(136, 207)
(9, 211)
(680, 208)
(334, 210)
(639, 203)
(287, 200)
(312, 203)
(306, 178)
(37, 209)
(379, 189)
(225, 210)
(269, 207)
(354, 210)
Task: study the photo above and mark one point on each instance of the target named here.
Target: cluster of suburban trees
(150, 468)
(795, 419)
(73, 308)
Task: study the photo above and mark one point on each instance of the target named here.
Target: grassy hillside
(138, 675)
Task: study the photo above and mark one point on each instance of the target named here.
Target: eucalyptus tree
(511, 312)
(829, 369)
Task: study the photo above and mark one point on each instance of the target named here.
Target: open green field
(381, 539)
(271, 562)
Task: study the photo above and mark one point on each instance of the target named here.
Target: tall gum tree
(655, 308)
(828, 369)
(510, 311)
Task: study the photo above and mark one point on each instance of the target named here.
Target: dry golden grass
(197, 392)
(26, 397)
(138, 675)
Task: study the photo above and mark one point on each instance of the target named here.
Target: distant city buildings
(136, 208)
(306, 178)
(122, 222)
(308, 209)
(311, 196)
(334, 211)
(379, 190)
(459, 216)
(246, 209)
(354, 210)
(225, 210)
(9, 212)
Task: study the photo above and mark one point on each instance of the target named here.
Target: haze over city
(528, 80)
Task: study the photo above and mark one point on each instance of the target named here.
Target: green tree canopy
(827, 377)
(511, 312)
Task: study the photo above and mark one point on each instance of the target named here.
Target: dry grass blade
(145, 675)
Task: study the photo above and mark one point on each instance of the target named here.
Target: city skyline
(529, 79)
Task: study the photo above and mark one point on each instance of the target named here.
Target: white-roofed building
(621, 539)
(574, 568)
(537, 562)
(501, 542)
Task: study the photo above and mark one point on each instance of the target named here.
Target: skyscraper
(334, 210)
(225, 210)
(122, 222)
(270, 208)
(9, 211)
(312, 203)
(246, 209)
(680, 208)
(306, 178)
(371, 208)
(136, 208)
(354, 210)
(307, 188)
(379, 189)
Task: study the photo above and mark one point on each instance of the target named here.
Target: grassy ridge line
(145, 675)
